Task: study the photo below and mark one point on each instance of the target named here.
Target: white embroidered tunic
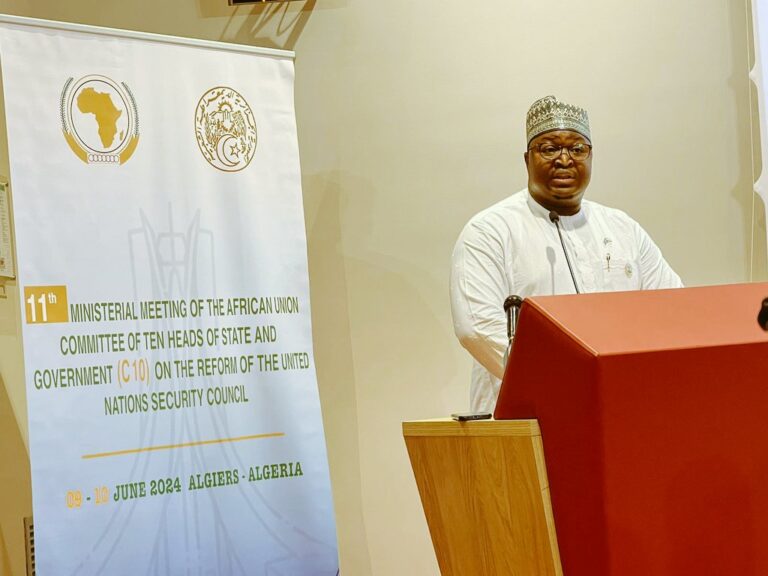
(513, 248)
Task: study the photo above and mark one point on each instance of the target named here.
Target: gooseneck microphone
(554, 217)
(762, 316)
(512, 306)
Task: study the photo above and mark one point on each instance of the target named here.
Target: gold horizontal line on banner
(239, 2)
(184, 445)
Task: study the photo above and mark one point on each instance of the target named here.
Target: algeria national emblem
(225, 129)
(99, 119)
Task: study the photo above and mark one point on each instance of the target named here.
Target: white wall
(411, 119)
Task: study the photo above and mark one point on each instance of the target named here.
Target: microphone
(554, 217)
(762, 317)
(512, 310)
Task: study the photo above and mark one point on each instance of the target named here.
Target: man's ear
(525, 157)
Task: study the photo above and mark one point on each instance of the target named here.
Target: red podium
(653, 408)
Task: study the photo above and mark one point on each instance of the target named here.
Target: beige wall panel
(411, 119)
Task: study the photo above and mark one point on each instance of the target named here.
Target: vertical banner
(174, 418)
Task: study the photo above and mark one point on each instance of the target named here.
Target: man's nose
(563, 159)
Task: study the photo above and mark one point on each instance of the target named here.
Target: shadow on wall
(378, 347)
(399, 332)
(399, 305)
(334, 365)
(269, 24)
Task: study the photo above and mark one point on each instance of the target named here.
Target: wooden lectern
(484, 489)
(653, 411)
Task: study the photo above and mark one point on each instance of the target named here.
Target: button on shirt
(513, 248)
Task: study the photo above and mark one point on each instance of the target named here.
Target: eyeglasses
(578, 152)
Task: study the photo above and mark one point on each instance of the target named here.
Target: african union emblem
(225, 129)
(99, 119)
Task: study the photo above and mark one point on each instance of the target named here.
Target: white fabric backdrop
(165, 225)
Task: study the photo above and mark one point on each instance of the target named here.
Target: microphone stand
(554, 217)
(512, 306)
(762, 316)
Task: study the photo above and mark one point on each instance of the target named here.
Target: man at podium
(515, 246)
